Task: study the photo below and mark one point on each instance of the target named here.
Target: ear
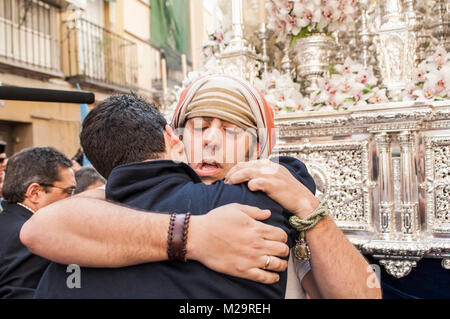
(172, 137)
(33, 193)
(173, 140)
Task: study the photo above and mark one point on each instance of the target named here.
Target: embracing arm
(89, 231)
(338, 269)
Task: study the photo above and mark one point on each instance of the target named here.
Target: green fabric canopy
(170, 29)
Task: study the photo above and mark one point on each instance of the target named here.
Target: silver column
(385, 186)
(409, 203)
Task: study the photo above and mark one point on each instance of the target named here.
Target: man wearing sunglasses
(35, 177)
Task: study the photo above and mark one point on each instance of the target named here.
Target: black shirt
(166, 186)
(20, 270)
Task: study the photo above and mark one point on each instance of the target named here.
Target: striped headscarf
(230, 99)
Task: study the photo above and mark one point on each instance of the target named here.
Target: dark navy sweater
(166, 186)
(20, 270)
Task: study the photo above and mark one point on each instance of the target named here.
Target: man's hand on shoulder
(231, 240)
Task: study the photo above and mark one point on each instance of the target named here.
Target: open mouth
(207, 167)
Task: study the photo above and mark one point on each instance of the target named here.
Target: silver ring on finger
(267, 263)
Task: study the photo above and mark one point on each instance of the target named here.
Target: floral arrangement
(348, 85)
(281, 92)
(431, 78)
(302, 18)
(216, 41)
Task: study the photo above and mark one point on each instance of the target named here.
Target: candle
(164, 75)
(236, 12)
(262, 11)
(183, 65)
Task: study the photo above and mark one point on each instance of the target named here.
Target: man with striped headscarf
(226, 121)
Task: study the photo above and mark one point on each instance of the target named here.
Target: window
(28, 34)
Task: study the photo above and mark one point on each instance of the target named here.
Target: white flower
(431, 79)
(440, 56)
(316, 15)
(436, 82)
(419, 75)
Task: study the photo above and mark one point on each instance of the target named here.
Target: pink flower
(344, 87)
(440, 56)
(439, 86)
(357, 96)
(289, 5)
(428, 92)
(362, 78)
(327, 13)
(419, 75)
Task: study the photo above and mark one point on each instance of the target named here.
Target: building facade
(101, 46)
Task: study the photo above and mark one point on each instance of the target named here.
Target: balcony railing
(29, 36)
(97, 56)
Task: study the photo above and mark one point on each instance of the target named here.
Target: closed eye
(233, 131)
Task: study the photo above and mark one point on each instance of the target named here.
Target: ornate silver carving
(313, 56)
(264, 35)
(286, 64)
(396, 47)
(398, 268)
(441, 23)
(239, 57)
(364, 37)
(388, 221)
(347, 184)
(437, 183)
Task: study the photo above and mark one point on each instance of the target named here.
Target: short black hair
(86, 176)
(32, 165)
(124, 128)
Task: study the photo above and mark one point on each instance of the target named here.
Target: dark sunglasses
(2, 159)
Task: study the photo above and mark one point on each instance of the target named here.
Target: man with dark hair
(88, 178)
(35, 177)
(126, 117)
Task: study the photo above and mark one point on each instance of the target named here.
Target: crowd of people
(193, 209)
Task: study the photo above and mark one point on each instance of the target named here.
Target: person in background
(35, 177)
(77, 160)
(88, 178)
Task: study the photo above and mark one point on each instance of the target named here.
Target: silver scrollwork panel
(341, 172)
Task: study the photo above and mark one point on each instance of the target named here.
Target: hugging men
(230, 117)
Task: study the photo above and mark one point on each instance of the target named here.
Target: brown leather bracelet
(177, 236)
